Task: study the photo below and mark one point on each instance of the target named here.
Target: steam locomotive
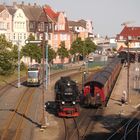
(67, 97)
(98, 87)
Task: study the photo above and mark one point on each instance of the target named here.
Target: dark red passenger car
(98, 88)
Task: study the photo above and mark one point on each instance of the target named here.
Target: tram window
(32, 74)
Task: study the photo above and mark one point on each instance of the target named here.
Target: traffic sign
(33, 41)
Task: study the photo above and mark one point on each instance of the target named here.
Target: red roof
(51, 13)
(130, 31)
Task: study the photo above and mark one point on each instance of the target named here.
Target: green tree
(77, 48)
(51, 54)
(62, 52)
(32, 50)
(89, 46)
(8, 56)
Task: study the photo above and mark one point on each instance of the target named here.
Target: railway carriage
(98, 88)
(67, 97)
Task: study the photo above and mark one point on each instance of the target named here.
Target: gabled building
(5, 22)
(36, 20)
(130, 34)
(58, 31)
(81, 28)
(19, 26)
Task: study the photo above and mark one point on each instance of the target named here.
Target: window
(63, 37)
(41, 26)
(24, 36)
(56, 27)
(14, 36)
(8, 25)
(1, 25)
(55, 37)
(50, 26)
(31, 25)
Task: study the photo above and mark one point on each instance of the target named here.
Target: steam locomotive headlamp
(73, 102)
(68, 84)
(63, 102)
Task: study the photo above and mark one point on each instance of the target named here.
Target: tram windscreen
(32, 74)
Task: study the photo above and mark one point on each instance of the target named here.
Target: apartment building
(81, 28)
(58, 31)
(131, 34)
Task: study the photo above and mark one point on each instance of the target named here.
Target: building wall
(6, 24)
(19, 27)
(58, 35)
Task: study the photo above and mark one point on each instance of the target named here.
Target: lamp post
(18, 66)
(18, 83)
(128, 67)
(43, 122)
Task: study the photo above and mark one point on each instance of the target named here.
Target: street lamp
(128, 66)
(18, 44)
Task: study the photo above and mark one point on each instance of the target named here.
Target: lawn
(8, 79)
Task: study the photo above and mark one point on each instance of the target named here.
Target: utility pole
(42, 45)
(128, 61)
(43, 122)
(128, 67)
(18, 65)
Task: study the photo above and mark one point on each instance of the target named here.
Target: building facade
(131, 35)
(5, 22)
(58, 31)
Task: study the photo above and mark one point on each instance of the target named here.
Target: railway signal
(42, 43)
(33, 41)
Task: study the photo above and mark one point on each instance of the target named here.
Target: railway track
(68, 129)
(129, 130)
(8, 86)
(12, 129)
(81, 125)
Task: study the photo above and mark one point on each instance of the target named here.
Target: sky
(106, 15)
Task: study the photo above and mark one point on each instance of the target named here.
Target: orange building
(58, 31)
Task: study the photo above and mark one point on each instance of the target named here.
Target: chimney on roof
(14, 3)
(29, 4)
(22, 2)
(34, 4)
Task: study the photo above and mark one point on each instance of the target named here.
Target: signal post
(42, 43)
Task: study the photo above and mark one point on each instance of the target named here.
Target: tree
(62, 51)
(51, 54)
(76, 48)
(89, 46)
(32, 50)
(8, 56)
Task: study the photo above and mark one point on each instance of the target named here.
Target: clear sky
(106, 15)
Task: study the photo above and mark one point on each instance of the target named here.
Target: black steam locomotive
(67, 97)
